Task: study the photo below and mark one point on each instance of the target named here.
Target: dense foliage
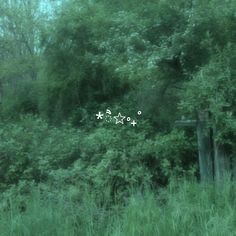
(61, 62)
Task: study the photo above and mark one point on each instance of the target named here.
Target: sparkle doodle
(117, 119)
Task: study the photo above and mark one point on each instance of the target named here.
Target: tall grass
(184, 208)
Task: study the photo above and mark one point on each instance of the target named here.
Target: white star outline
(119, 118)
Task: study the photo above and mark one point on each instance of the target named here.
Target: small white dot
(139, 113)
(128, 119)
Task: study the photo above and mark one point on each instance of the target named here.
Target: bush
(118, 158)
(31, 149)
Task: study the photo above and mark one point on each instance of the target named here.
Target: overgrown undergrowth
(183, 208)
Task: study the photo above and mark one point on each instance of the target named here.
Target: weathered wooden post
(234, 168)
(205, 147)
(214, 163)
(1, 94)
(221, 160)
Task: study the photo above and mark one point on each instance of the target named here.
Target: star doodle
(134, 123)
(99, 116)
(119, 119)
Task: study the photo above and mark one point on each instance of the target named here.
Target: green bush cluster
(32, 150)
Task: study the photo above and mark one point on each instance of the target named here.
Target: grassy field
(184, 208)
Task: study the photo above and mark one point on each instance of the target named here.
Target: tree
(21, 24)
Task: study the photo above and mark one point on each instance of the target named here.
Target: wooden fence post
(221, 160)
(205, 144)
(205, 149)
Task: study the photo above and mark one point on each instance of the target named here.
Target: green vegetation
(186, 208)
(64, 172)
